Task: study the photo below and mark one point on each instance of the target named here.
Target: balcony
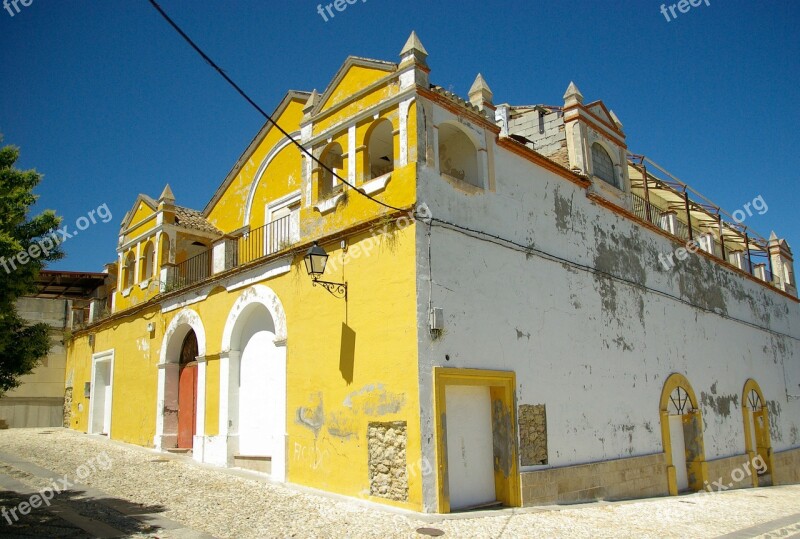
(664, 201)
(229, 253)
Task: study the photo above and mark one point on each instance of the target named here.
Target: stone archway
(169, 366)
(253, 383)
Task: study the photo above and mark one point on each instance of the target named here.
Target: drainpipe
(771, 269)
(749, 258)
(688, 214)
(721, 236)
(646, 194)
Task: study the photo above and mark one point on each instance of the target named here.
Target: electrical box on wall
(437, 319)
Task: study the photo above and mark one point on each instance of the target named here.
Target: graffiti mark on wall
(311, 456)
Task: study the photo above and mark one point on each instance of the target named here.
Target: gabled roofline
(606, 123)
(151, 203)
(606, 110)
(260, 136)
(389, 67)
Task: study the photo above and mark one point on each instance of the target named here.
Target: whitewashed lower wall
(594, 349)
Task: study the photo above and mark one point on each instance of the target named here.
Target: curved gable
(227, 209)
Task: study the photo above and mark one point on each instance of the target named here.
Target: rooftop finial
(313, 99)
(480, 94)
(572, 96)
(166, 195)
(414, 49)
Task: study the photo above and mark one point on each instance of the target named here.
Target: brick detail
(786, 467)
(636, 477)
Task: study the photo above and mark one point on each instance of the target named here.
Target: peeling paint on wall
(342, 425)
(721, 404)
(774, 411)
(502, 437)
(312, 416)
(374, 400)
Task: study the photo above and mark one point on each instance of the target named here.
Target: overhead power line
(247, 98)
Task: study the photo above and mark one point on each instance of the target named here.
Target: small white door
(678, 451)
(101, 398)
(470, 450)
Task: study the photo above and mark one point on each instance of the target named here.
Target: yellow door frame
(763, 443)
(697, 466)
(502, 386)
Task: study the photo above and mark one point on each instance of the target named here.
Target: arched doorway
(756, 433)
(682, 435)
(183, 344)
(253, 383)
(187, 392)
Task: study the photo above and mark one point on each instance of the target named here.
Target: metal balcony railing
(717, 236)
(266, 240)
(190, 271)
(249, 247)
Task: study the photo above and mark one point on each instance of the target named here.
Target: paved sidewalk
(142, 493)
(37, 502)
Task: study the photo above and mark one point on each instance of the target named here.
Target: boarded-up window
(532, 434)
(603, 166)
(388, 476)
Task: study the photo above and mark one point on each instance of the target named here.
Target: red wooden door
(187, 406)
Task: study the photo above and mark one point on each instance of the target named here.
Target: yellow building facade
(495, 324)
(228, 286)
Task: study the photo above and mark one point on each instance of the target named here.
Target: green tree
(22, 345)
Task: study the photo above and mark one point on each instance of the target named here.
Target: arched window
(148, 261)
(333, 158)
(129, 271)
(380, 150)
(603, 166)
(458, 157)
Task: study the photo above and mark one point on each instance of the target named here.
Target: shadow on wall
(347, 353)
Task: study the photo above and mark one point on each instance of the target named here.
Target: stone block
(388, 474)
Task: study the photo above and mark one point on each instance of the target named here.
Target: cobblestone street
(141, 493)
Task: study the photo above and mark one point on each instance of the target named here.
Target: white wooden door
(101, 398)
(470, 451)
(257, 393)
(678, 451)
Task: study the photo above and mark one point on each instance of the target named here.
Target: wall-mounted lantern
(316, 258)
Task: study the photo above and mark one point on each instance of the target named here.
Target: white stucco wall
(595, 350)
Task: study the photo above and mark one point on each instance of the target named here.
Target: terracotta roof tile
(189, 218)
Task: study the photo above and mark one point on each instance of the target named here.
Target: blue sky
(107, 101)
